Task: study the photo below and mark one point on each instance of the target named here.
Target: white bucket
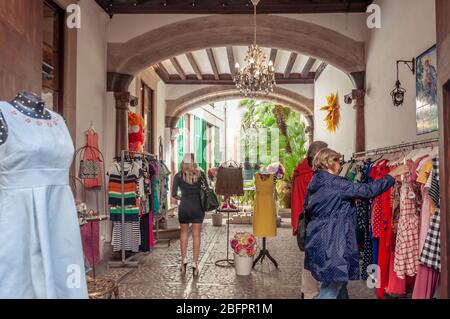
(243, 265)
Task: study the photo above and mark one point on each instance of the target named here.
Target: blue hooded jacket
(331, 251)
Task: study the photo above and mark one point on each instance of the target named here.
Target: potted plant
(244, 247)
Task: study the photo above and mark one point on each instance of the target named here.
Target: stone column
(309, 130)
(122, 102)
(358, 96)
(119, 84)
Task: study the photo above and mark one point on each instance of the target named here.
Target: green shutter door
(217, 152)
(180, 142)
(200, 141)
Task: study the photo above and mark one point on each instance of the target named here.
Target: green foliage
(261, 115)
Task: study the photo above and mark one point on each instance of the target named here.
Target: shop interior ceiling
(231, 6)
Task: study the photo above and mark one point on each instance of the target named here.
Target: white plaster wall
(91, 85)
(333, 80)
(408, 29)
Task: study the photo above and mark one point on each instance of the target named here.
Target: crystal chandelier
(257, 77)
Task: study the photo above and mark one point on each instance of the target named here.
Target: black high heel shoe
(195, 271)
(183, 268)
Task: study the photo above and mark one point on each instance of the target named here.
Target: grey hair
(313, 149)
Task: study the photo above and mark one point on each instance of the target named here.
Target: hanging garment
(132, 236)
(396, 286)
(426, 283)
(430, 255)
(39, 231)
(407, 246)
(264, 213)
(92, 154)
(90, 236)
(302, 177)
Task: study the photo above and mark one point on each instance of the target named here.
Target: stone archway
(175, 108)
(225, 30)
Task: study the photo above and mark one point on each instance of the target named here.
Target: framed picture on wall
(426, 92)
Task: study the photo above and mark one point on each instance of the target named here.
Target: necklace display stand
(263, 253)
(227, 262)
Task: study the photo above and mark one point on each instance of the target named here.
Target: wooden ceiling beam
(178, 67)
(212, 60)
(194, 65)
(231, 60)
(273, 55)
(226, 79)
(308, 66)
(320, 69)
(162, 72)
(232, 7)
(290, 65)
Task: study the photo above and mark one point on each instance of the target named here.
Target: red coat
(300, 181)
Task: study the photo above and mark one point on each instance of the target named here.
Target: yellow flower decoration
(334, 114)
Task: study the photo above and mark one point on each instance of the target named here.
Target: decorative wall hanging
(334, 115)
(426, 92)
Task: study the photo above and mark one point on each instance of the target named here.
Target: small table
(227, 262)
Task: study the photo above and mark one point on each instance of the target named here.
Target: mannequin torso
(28, 104)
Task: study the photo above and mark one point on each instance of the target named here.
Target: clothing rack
(129, 262)
(396, 148)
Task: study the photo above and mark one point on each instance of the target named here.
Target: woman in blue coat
(331, 251)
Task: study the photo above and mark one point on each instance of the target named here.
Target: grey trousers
(310, 286)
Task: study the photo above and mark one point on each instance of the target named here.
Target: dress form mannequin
(31, 105)
(28, 104)
(39, 228)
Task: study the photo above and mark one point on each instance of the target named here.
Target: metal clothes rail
(397, 148)
(127, 262)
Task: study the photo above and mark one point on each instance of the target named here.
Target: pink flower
(234, 243)
(251, 241)
(238, 249)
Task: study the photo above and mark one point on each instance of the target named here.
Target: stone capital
(122, 100)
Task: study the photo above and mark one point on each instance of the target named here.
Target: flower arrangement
(277, 169)
(244, 244)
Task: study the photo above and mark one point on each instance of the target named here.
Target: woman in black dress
(190, 211)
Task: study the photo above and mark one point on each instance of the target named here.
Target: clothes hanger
(91, 127)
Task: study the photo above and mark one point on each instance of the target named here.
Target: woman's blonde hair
(190, 171)
(325, 159)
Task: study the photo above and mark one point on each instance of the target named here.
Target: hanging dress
(91, 153)
(264, 214)
(406, 260)
(41, 254)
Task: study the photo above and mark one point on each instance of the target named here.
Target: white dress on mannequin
(40, 252)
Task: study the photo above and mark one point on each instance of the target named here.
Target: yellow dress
(264, 213)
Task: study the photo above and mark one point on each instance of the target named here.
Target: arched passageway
(176, 108)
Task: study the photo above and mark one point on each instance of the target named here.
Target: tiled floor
(158, 275)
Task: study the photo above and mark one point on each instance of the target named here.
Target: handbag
(230, 180)
(303, 221)
(89, 169)
(208, 198)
